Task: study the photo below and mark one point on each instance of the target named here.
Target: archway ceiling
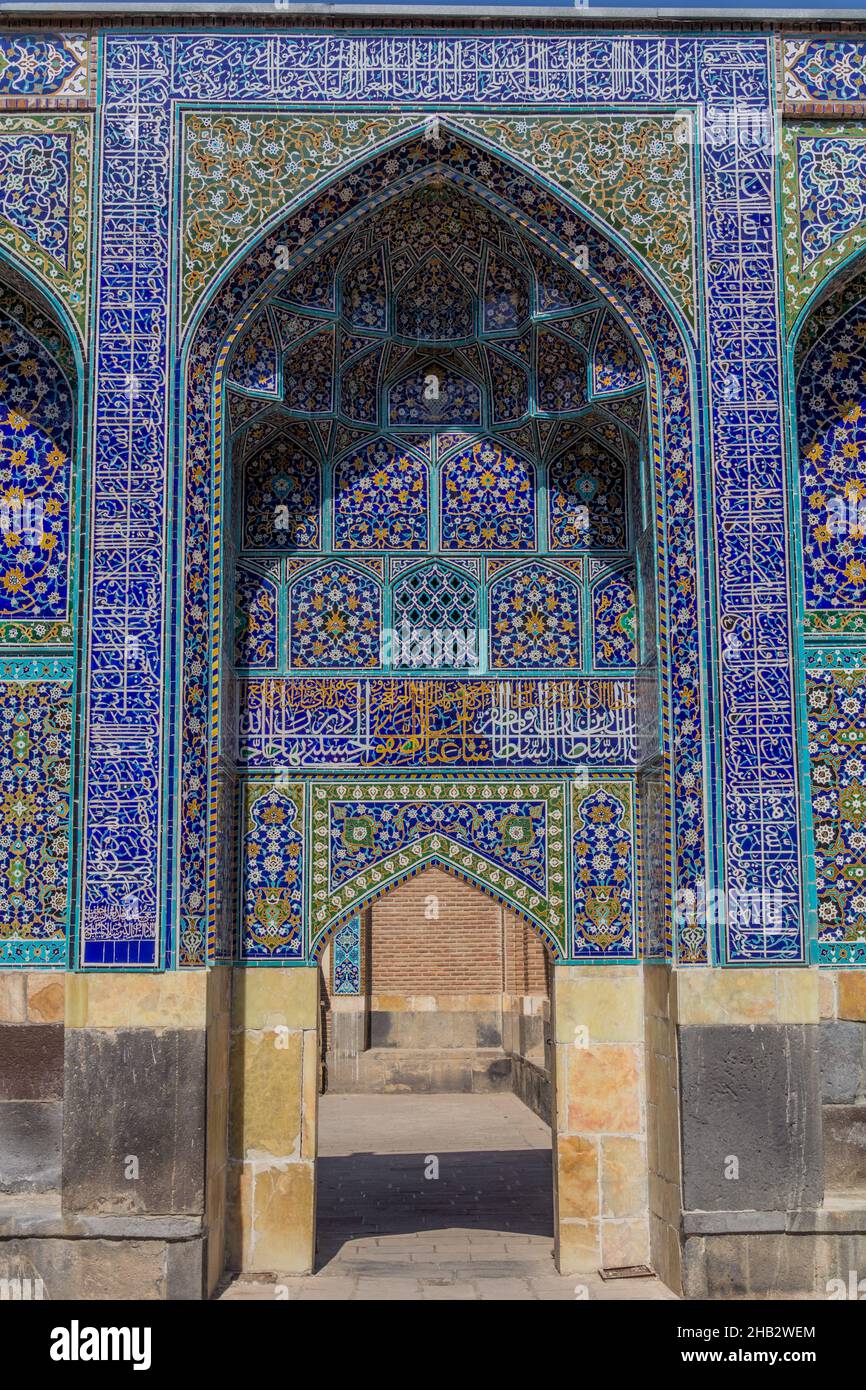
(434, 280)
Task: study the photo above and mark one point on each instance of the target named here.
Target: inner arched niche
(330, 405)
(830, 390)
(462, 500)
(38, 439)
(508, 423)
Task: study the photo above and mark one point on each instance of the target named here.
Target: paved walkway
(435, 1197)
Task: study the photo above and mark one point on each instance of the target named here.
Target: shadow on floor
(369, 1195)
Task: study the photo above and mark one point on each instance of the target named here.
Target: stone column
(134, 1221)
(274, 1101)
(663, 1127)
(599, 1139)
(843, 1076)
(31, 1081)
(750, 1108)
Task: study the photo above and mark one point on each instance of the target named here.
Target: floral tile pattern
(272, 891)
(35, 748)
(837, 751)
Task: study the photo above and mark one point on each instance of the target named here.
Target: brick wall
(527, 963)
(437, 935)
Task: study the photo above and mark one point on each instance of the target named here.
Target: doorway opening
(434, 1130)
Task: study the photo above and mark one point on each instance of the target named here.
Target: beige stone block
(310, 1094)
(666, 1254)
(468, 1003)
(348, 1004)
(665, 1199)
(13, 996)
(827, 999)
(175, 999)
(578, 1247)
(266, 1094)
(852, 994)
(577, 1176)
(216, 1242)
(217, 1127)
(604, 1090)
(282, 997)
(718, 996)
(607, 1002)
(219, 993)
(283, 1219)
(707, 996)
(218, 1049)
(623, 1177)
(625, 1243)
(760, 995)
(798, 996)
(390, 1003)
(46, 998)
(653, 1158)
(668, 1137)
(658, 1039)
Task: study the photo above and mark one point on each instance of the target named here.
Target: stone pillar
(273, 1116)
(843, 1076)
(599, 1139)
(133, 1220)
(218, 1072)
(663, 1127)
(31, 1081)
(750, 1107)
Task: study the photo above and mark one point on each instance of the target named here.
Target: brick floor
(482, 1229)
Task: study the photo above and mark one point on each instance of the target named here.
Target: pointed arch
(535, 618)
(554, 221)
(462, 875)
(335, 617)
(509, 839)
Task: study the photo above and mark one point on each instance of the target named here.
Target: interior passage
(454, 1184)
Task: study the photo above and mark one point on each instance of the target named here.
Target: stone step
(390, 1070)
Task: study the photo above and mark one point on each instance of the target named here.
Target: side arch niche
(829, 361)
(40, 472)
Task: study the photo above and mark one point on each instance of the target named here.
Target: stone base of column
(272, 1128)
(599, 1142)
(124, 1210)
(755, 1219)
